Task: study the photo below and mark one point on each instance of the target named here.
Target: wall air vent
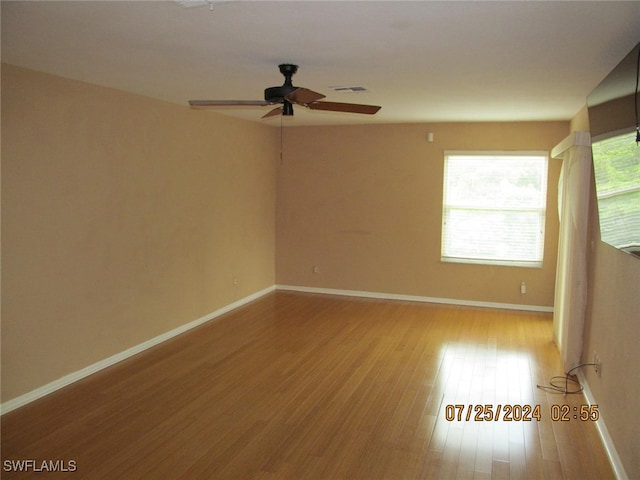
(198, 3)
(349, 88)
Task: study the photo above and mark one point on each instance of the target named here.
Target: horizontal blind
(494, 208)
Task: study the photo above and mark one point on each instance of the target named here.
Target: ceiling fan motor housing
(278, 94)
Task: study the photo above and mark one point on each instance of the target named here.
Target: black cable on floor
(553, 386)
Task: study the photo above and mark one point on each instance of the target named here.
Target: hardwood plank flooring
(300, 386)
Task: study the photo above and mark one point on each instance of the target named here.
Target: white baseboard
(107, 362)
(415, 298)
(85, 372)
(607, 441)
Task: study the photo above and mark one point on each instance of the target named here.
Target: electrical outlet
(235, 280)
(597, 364)
(316, 269)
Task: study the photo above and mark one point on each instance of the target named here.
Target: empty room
(320, 240)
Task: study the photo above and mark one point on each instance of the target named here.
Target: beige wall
(122, 218)
(363, 203)
(612, 329)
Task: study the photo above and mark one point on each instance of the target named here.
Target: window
(616, 164)
(494, 208)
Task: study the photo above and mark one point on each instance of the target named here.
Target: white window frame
(453, 254)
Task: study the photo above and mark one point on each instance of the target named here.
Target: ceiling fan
(287, 95)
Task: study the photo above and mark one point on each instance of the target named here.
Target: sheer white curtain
(571, 272)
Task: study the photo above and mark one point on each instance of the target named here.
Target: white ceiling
(423, 61)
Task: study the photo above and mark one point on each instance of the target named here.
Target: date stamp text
(519, 413)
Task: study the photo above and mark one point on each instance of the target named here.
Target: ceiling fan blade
(228, 103)
(304, 96)
(344, 107)
(273, 113)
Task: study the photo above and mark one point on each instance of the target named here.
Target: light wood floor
(297, 386)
